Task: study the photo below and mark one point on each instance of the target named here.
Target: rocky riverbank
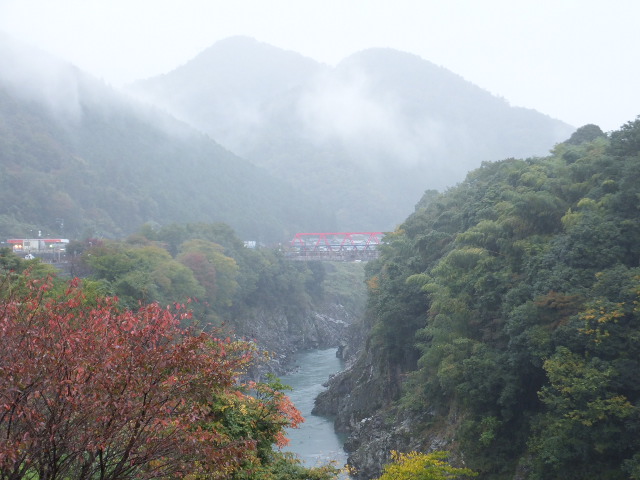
(283, 333)
(362, 399)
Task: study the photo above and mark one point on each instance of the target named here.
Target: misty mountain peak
(395, 70)
(223, 88)
(34, 75)
(247, 56)
(382, 121)
(379, 57)
(237, 65)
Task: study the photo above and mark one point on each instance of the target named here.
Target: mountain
(78, 158)
(222, 90)
(364, 138)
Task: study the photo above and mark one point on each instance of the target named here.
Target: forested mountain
(503, 321)
(364, 138)
(78, 159)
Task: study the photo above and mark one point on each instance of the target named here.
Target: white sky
(575, 60)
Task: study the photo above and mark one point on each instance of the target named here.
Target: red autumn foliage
(98, 392)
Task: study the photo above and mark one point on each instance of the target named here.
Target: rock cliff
(361, 399)
(282, 333)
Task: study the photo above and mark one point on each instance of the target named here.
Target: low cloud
(40, 77)
(374, 127)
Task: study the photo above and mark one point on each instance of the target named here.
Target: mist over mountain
(365, 138)
(80, 159)
(223, 89)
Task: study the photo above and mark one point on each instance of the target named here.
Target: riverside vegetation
(99, 378)
(91, 390)
(501, 325)
(504, 324)
(252, 293)
(93, 385)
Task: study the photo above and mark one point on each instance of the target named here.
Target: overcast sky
(575, 60)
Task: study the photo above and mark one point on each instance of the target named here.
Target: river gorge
(315, 441)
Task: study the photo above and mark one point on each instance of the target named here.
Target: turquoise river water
(315, 441)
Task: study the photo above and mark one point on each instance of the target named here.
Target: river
(315, 441)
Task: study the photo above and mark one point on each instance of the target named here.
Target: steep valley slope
(502, 322)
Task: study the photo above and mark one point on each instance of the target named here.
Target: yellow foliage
(422, 466)
(373, 283)
(598, 316)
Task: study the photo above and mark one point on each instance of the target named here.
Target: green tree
(585, 431)
(142, 274)
(584, 134)
(216, 272)
(626, 141)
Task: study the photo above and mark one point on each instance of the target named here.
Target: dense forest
(225, 283)
(503, 318)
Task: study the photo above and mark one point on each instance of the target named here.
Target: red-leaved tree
(97, 392)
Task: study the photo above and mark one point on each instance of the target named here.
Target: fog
(36, 75)
(345, 108)
(577, 61)
(376, 111)
(376, 108)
